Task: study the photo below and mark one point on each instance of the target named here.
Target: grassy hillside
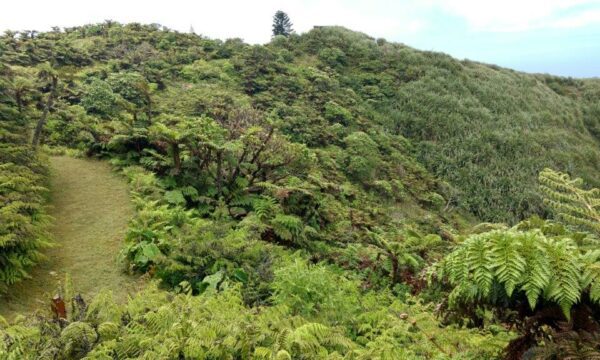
(484, 130)
(490, 131)
(309, 184)
(487, 131)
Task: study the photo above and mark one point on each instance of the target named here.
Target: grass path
(91, 208)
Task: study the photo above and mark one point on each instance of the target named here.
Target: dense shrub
(156, 324)
(23, 177)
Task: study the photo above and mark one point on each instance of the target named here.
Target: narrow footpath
(91, 208)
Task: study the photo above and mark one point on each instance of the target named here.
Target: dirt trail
(91, 208)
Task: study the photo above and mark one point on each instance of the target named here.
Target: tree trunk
(219, 170)
(37, 134)
(395, 268)
(19, 99)
(176, 158)
(149, 108)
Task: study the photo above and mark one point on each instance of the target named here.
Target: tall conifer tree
(282, 24)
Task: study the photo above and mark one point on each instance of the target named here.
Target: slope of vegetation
(489, 132)
(291, 197)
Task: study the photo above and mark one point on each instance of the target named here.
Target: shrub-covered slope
(486, 131)
(297, 179)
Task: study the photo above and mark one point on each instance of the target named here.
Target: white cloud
(521, 15)
(580, 20)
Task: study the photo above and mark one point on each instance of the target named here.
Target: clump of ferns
(532, 283)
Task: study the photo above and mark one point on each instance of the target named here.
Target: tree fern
(23, 174)
(503, 270)
(480, 265)
(538, 272)
(571, 203)
(265, 207)
(79, 339)
(591, 274)
(519, 261)
(506, 259)
(288, 227)
(564, 287)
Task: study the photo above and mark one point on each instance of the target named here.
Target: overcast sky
(555, 36)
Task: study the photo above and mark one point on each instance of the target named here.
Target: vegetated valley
(323, 196)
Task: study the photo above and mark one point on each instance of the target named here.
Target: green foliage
(571, 204)
(288, 227)
(150, 233)
(70, 124)
(404, 253)
(467, 122)
(334, 57)
(527, 279)
(23, 175)
(99, 98)
(335, 113)
(362, 156)
(314, 291)
(501, 266)
(202, 71)
(135, 90)
(155, 324)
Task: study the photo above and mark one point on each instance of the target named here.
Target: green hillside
(315, 197)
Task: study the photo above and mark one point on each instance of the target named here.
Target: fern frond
(570, 202)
